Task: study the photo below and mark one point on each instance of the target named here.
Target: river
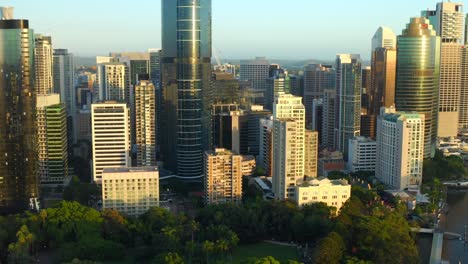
(457, 218)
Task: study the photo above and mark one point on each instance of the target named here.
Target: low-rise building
(248, 165)
(131, 191)
(362, 154)
(330, 161)
(332, 192)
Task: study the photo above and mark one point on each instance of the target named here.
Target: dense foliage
(443, 168)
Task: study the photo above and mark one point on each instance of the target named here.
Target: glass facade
(186, 81)
(18, 178)
(417, 80)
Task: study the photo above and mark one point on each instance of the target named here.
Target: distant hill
(85, 61)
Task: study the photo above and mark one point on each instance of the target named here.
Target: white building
(288, 145)
(113, 81)
(400, 148)
(223, 177)
(333, 193)
(131, 191)
(145, 125)
(362, 154)
(110, 125)
(384, 38)
(43, 56)
(311, 153)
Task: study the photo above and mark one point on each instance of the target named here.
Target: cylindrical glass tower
(417, 81)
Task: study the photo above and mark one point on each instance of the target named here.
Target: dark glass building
(18, 177)
(186, 72)
(417, 76)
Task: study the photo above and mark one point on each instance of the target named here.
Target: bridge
(437, 242)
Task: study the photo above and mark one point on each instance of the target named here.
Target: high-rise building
(317, 78)
(277, 82)
(186, 73)
(254, 114)
(362, 154)
(317, 117)
(265, 157)
(110, 123)
(64, 79)
(256, 71)
(51, 122)
(18, 180)
(311, 153)
(288, 145)
(400, 148)
(43, 59)
(348, 87)
(113, 81)
(367, 124)
(329, 118)
(223, 177)
(145, 125)
(154, 69)
(447, 21)
(228, 129)
(383, 38)
(131, 191)
(463, 115)
(417, 77)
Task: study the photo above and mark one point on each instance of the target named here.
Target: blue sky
(282, 29)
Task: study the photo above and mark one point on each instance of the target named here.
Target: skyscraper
(43, 56)
(400, 148)
(329, 118)
(64, 78)
(383, 38)
(51, 123)
(311, 153)
(463, 116)
(256, 71)
(317, 78)
(154, 69)
(447, 21)
(417, 77)
(186, 72)
(145, 125)
(348, 87)
(110, 125)
(288, 145)
(113, 81)
(277, 82)
(19, 181)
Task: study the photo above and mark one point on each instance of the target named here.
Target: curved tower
(186, 71)
(417, 81)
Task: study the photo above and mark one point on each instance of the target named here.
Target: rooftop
(130, 169)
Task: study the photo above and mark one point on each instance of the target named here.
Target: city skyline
(234, 34)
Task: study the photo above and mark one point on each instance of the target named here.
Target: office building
(317, 78)
(137, 63)
(113, 81)
(145, 125)
(18, 180)
(447, 21)
(322, 190)
(329, 117)
(230, 131)
(362, 154)
(154, 69)
(83, 125)
(317, 117)
(186, 73)
(463, 115)
(311, 153)
(383, 38)
(254, 114)
(265, 157)
(400, 149)
(278, 81)
(417, 83)
(64, 79)
(225, 89)
(51, 122)
(348, 87)
(110, 123)
(288, 145)
(223, 177)
(256, 72)
(43, 59)
(131, 191)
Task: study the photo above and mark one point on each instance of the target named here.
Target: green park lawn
(281, 253)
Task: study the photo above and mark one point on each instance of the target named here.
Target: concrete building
(400, 148)
(463, 115)
(419, 45)
(18, 160)
(330, 161)
(145, 123)
(362, 154)
(223, 177)
(311, 153)
(43, 59)
(322, 190)
(383, 38)
(113, 81)
(229, 129)
(348, 86)
(64, 79)
(447, 21)
(265, 157)
(249, 166)
(51, 122)
(256, 71)
(83, 125)
(254, 114)
(288, 145)
(278, 81)
(110, 123)
(131, 191)
(329, 117)
(317, 78)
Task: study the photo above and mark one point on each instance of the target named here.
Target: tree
(168, 258)
(337, 175)
(21, 251)
(115, 227)
(264, 260)
(330, 250)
